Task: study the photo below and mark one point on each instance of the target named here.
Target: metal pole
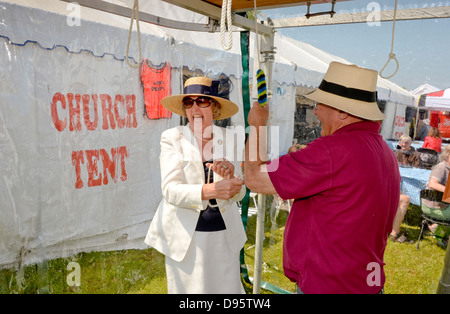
(267, 49)
(259, 243)
(444, 281)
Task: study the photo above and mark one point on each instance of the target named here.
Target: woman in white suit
(197, 225)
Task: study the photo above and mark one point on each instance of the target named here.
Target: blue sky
(422, 47)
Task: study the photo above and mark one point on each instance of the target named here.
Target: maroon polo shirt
(346, 188)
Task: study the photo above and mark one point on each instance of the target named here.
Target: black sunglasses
(202, 102)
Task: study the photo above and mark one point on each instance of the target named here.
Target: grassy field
(408, 271)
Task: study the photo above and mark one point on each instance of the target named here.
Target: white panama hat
(350, 88)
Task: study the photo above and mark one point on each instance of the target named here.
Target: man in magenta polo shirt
(346, 186)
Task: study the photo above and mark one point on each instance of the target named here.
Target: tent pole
(259, 243)
(444, 280)
(417, 121)
(267, 50)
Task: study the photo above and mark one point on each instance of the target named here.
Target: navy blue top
(210, 219)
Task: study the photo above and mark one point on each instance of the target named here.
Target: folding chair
(429, 157)
(435, 196)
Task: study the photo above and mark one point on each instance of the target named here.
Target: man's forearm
(256, 177)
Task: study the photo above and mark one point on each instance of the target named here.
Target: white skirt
(209, 267)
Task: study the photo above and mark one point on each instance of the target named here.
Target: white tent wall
(387, 127)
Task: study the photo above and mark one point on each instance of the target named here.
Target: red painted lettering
(123, 154)
(94, 178)
(131, 111)
(120, 112)
(107, 112)
(74, 112)
(91, 126)
(77, 160)
(109, 165)
(60, 125)
(117, 101)
(97, 172)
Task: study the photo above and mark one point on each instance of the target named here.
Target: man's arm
(255, 171)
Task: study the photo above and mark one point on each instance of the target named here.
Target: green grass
(130, 271)
(408, 271)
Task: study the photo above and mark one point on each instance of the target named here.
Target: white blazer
(182, 178)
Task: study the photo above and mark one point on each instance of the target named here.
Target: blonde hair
(405, 138)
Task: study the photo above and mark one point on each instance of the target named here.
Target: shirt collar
(371, 126)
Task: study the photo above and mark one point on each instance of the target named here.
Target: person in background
(422, 129)
(433, 140)
(406, 154)
(409, 157)
(438, 180)
(346, 186)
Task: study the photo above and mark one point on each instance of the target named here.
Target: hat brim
(174, 104)
(361, 109)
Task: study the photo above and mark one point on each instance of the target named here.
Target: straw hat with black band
(196, 87)
(350, 88)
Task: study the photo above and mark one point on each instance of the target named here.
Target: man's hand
(258, 115)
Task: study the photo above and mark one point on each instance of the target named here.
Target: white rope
(134, 14)
(226, 25)
(391, 54)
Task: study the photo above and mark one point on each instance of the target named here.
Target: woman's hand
(224, 189)
(224, 168)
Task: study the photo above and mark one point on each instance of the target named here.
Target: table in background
(414, 180)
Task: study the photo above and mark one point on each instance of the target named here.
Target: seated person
(396, 235)
(406, 154)
(433, 140)
(438, 180)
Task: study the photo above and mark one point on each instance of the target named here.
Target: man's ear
(342, 115)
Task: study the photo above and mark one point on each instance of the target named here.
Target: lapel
(190, 152)
(190, 155)
(188, 144)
